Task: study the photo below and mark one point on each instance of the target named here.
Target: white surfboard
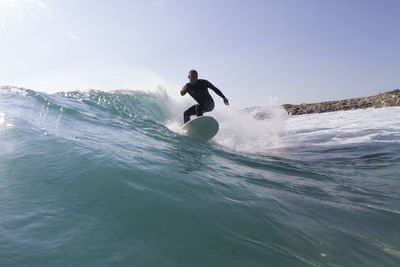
(201, 128)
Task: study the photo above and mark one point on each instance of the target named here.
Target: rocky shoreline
(388, 99)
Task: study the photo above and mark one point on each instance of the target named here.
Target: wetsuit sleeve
(215, 89)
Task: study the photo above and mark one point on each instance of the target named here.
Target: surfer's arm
(183, 91)
(218, 92)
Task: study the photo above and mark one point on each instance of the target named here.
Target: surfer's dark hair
(194, 72)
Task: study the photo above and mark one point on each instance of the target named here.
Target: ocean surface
(92, 178)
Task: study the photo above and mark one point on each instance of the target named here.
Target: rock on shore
(388, 99)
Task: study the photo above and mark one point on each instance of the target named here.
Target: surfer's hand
(183, 91)
(226, 102)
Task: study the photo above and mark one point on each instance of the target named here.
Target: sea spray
(242, 130)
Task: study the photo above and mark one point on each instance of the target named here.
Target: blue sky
(293, 50)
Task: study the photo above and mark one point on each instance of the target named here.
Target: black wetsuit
(199, 92)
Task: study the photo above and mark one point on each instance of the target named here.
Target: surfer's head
(193, 76)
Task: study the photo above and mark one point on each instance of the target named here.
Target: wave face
(104, 178)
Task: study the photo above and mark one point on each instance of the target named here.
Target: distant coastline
(388, 99)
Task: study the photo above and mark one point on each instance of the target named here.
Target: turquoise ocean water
(105, 179)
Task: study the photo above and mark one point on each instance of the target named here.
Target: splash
(252, 130)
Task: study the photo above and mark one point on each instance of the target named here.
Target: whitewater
(94, 178)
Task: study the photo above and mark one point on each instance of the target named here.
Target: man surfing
(198, 89)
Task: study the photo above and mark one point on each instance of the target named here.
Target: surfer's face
(192, 78)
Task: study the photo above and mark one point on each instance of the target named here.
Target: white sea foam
(2, 120)
(346, 127)
(267, 128)
(251, 130)
(242, 129)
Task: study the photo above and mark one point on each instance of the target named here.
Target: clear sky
(293, 50)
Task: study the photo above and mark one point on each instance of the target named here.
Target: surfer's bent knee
(209, 106)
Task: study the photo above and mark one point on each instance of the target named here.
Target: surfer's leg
(209, 106)
(199, 110)
(206, 107)
(189, 112)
